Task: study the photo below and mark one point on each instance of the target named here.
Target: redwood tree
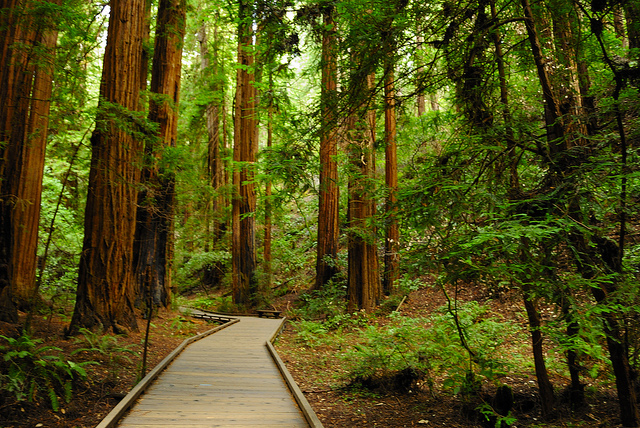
(153, 246)
(105, 293)
(392, 230)
(244, 156)
(27, 41)
(328, 230)
(363, 283)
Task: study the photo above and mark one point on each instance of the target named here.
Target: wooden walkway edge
(229, 373)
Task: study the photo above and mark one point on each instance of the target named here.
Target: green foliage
(215, 304)
(30, 371)
(192, 272)
(426, 348)
(325, 303)
(499, 421)
(311, 333)
(106, 348)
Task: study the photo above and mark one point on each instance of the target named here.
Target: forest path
(228, 379)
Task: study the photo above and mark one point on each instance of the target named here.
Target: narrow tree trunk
(105, 294)
(545, 388)
(244, 156)
(420, 98)
(328, 229)
(214, 113)
(555, 131)
(153, 247)
(392, 244)
(268, 208)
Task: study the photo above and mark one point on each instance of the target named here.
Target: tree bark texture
(555, 131)
(547, 397)
(392, 238)
(328, 210)
(153, 246)
(215, 134)
(244, 157)
(27, 43)
(632, 15)
(363, 282)
(105, 294)
(268, 206)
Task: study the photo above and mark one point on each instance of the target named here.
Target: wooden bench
(268, 313)
(211, 317)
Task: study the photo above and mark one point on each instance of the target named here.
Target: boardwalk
(227, 379)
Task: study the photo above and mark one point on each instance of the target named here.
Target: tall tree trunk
(363, 283)
(632, 15)
(392, 239)
(328, 229)
(106, 292)
(27, 44)
(216, 137)
(268, 208)
(153, 246)
(420, 75)
(244, 156)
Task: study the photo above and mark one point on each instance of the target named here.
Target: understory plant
(429, 350)
(107, 348)
(31, 372)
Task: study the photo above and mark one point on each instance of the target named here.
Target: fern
(35, 372)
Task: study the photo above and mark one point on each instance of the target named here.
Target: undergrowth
(31, 372)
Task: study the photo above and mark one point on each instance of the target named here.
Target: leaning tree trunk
(244, 157)
(27, 44)
(328, 229)
(153, 246)
(105, 294)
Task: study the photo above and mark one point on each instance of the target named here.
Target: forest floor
(318, 371)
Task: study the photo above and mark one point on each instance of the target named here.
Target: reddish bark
(27, 48)
(328, 229)
(244, 156)
(106, 291)
(363, 282)
(153, 247)
(392, 240)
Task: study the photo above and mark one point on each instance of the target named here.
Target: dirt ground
(117, 371)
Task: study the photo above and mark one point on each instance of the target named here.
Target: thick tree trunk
(244, 156)
(153, 247)
(106, 291)
(26, 61)
(392, 239)
(328, 229)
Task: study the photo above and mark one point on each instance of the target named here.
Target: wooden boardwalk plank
(227, 379)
